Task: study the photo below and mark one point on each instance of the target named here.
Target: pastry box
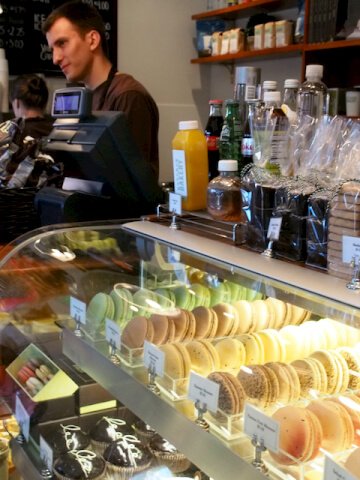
(39, 376)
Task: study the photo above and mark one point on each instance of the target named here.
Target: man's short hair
(84, 16)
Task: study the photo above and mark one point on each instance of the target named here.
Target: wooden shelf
(332, 45)
(281, 51)
(244, 9)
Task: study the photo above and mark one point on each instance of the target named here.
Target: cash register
(105, 175)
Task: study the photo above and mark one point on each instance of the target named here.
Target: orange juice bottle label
(179, 166)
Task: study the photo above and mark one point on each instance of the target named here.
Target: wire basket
(17, 213)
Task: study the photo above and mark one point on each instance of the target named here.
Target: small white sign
(112, 333)
(23, 418)
(154, 359)
(179, 166)
(265, 429)
(175, 203)
(350, 249)
(46, 453)
(174, 256)
(78, 310)
(273, 232)
(204, 391)
(333, 471)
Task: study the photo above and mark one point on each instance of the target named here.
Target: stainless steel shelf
(208, 452)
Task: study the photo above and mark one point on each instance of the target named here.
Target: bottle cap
(272, 96)
(189, 125)
(291, 83)
(231, 101)
(215, 102)
(228, 166)
(270, 84)
(314, 71)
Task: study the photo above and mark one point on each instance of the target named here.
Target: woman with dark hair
(29, 96)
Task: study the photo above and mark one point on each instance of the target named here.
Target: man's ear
(94, 39)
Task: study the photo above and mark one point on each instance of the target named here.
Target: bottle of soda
(230, 137)
(247, 142)
(212, 134)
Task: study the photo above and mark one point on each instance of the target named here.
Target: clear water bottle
(312, 97)
(291, 86)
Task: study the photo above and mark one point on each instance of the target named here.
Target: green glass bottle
(230, 136)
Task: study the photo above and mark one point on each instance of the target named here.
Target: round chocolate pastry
(126, 456)
(107, 430)
(143, 431)
(67, 438)
(79, 465)
(168, 455)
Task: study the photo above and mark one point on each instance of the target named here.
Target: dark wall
(26, 46)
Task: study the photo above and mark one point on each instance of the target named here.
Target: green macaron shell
(101, 306)
(184, 298)
(122, 299)
(202, 295)
(219, 294)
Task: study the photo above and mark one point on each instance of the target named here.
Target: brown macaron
(206, 322)
(136, 331)
(231, 395)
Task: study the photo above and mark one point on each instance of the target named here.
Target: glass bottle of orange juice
(190, 163)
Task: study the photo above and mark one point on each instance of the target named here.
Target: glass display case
(202, 340)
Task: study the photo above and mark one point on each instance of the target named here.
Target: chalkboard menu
(25, 45)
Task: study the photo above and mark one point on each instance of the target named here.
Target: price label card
(333, 471)
(174, 256)
(265, 429)
(274, 228)
(154, 359)
(203, 390)
(113, 333)
(351, 249)
(175, 203)
(78, 310)
(23, 418)
(46, 453)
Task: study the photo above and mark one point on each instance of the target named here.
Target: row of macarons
(324, 372)
(112, 447)
(330, 424)
(34, 375)
(221, 320)
(125, 302)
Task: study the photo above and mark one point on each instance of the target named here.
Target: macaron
(255, 383)
(137, 330)
(185, 298)
(206, 321)
(352, 358)
(219, 294)
(177, 364)
(300, 435)
(331, 367)
(253, 348)
(260, 315)
(122, 298)
(244, 310)
(24, 374)
(164, 329)
(100, 307)
(231, 395)
(232, 354)
(144, 302)
(228, 320)
(203, 356)
(284, 380)
(308, 376)
(352, 405)
(34, 385)
(274, 348)
(202, 295)
(336, 425)
(279, 312)
(180, 320)
(41, 376)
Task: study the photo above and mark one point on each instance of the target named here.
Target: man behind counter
(76, 34)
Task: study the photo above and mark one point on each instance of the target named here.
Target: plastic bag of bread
(216, 39)
(291, 204)
(258, 195)
(317, 228)
(344, 222)
(237, 40)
